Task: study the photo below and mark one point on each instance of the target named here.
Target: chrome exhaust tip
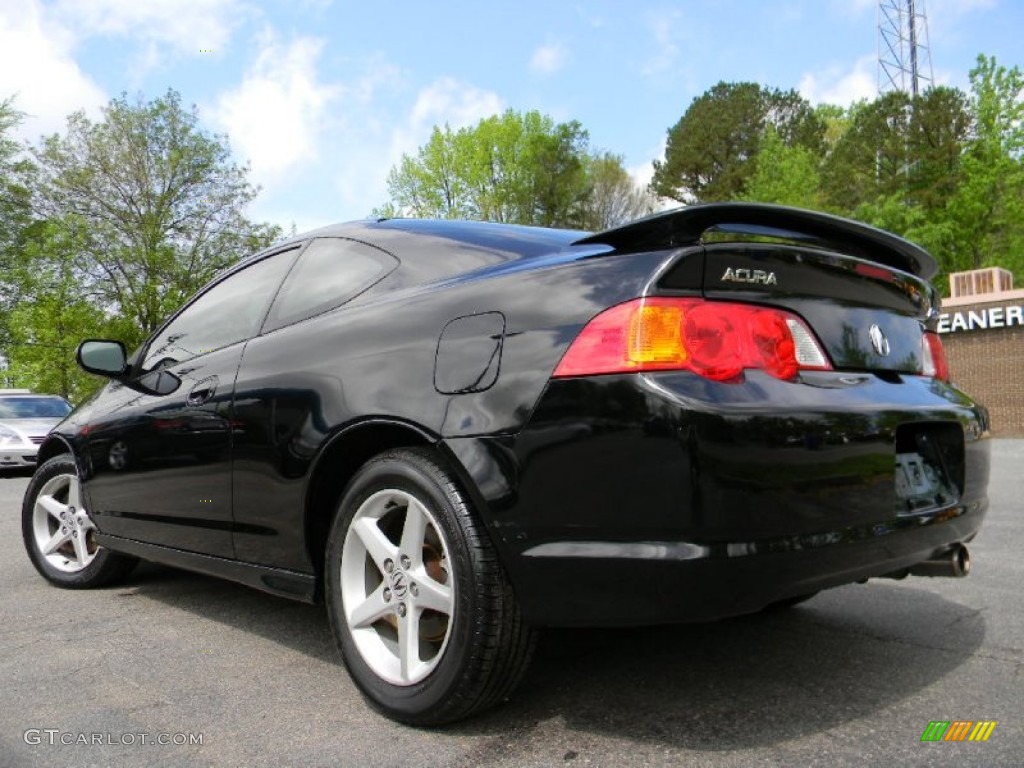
(956, 564)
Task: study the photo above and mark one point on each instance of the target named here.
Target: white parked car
(25, 420)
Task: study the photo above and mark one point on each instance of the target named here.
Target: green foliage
(835, 120)
(940, 126)
(154, 202)
(520, 168)
(107, 228)
(710, 152)
(961, 194)
(53, 316)
(944, 169)
(987, 207)
(898, 145)
(15, 211)
(434, 184)
(787, 175)
(869, 158)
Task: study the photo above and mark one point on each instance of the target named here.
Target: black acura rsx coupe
(452, 433)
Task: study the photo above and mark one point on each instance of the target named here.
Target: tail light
(717, 340)
(934, 362)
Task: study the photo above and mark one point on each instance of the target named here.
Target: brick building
(982, 327)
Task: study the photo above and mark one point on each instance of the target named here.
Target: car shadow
(6, 472)
(299, 626)
(746, 682)
(750, 681)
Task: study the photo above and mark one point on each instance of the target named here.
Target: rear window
(329, 272)
(33, 408)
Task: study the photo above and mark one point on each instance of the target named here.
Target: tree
(939, 130)
(14, 167)
(15, 212)
(944, 168)
(987, 209)
(870, 156)
(961, 191)
(710, 152)
(433, 184)
(153, 203)
(787, 175)
(518, 168)
(615, 198)
(835, 120)
(898, 146)
(46, 326)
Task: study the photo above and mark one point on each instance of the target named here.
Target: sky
(322, 97)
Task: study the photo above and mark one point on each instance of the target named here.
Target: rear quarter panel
(300, 385)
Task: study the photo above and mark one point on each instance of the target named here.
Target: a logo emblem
(959, 730)
(878, 341)
(399, 584)
(756, 276)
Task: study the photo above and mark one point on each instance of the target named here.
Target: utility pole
(904, 56)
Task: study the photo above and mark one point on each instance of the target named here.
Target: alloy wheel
(397, 587)
(64, 534)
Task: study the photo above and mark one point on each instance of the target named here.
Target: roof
(492, 242)
(511, 238)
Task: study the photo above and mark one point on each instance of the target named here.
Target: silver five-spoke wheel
(424, 616)
(396, 586)
(59, 534)
(63, 532)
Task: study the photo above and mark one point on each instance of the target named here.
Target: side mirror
(102, 357)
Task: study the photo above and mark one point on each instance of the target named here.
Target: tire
(407, 558)
(59, 535)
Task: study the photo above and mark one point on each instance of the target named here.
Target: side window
(229, 312)
(330, 271)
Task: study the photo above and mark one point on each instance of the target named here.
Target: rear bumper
(668, 498)
(611, 583)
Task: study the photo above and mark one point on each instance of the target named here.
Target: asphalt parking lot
(852, 677)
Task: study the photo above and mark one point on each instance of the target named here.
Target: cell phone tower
(904, 56)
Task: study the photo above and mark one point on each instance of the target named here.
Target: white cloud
(284, 117)
(275, 116)
(38, 43)
(547, 59)
(665, 29)
(643, 173)
(188, 26)
(590, 18)
(368, 159)
(37, 66)
(959, 6)
(450, 101)
(446, 101)
(835, 85)
(936, 8)
(854, 6)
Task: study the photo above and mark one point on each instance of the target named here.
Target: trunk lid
(867, 316)
(862, 290)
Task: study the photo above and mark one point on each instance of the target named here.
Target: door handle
(202, 391)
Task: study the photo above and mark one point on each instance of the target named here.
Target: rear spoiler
(686, 226)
